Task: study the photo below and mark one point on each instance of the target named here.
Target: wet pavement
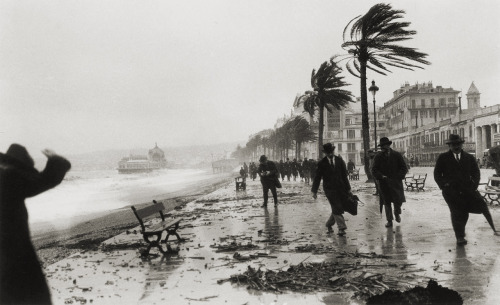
(421, 247)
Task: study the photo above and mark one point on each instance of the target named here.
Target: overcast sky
(96, 75)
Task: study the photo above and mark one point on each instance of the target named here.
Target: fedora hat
(384, 141)
(263, 158)
(20, 154)
(454, 138)
(328, 148)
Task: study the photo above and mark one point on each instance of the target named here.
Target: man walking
(269, 178)
(332, 170)
(457, 175)
(389, 168)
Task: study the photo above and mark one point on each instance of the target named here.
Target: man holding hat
(333, 171)
(21, 278)
(457, 175)
(389, 168)
(269, 179)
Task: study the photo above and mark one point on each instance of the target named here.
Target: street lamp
(373, 89)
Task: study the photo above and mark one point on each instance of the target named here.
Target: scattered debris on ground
(433, 294)
(363, 279)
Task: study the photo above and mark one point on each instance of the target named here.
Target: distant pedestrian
(312, 169)
(306, 170)
(269, 179)
(21, 278)
(295, 169)
(389, 168)
(350, 166)
(457, 175)
(333, 171)
(245, 167)
(288, 168)
(242, 172)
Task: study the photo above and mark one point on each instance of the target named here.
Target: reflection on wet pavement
(420, 248)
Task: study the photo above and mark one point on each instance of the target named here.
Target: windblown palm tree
(301, 132)
(327, 84)
(371, 44)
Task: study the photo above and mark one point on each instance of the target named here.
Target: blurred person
(306, 170)
(389, 168)
(21, 278)
(333, 171)
(269, 179)
(457, 175)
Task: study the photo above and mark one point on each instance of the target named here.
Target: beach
(76, 228)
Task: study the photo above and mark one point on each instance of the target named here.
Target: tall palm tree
(327, 93)
(301, 132)
(371, 44)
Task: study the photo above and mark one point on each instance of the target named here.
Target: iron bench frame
(490, 192)
(416, 182)
(156, 230)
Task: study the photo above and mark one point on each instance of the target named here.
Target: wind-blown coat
(459, 181)
(21, 278)
(335, 183)
(395, 169)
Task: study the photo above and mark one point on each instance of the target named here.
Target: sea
(91, 192)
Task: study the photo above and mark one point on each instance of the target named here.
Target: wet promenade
(424, 240)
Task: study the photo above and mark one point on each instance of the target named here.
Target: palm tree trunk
(365, 126)
(320, 129)
(299, 144)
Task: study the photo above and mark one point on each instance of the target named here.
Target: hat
(328, 148)
(262, 158)
(19, 153)
(454, 138)
(384, 141)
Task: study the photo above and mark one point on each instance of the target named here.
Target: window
(351, 134)
(351, 146)
(347, 122)
(432, 103)
(340, 146)
(422, 103)
(412, 103)
(442, 102)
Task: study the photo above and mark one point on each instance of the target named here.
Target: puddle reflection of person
(393, 244)
(272, 226)
(21, 278)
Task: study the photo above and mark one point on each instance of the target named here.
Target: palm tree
(301, 132)
(371, 44)
(326, 84)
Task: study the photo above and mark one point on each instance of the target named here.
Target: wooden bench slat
(162, 225)
(150, 210)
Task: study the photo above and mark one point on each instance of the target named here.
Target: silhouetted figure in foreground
(269, 178)
(21, 278)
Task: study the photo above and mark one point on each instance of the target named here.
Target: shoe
(398, 218)
(330, 229)
(461, 241)
(264, 205)
(341, 233)
(276, 204)
(389, 224)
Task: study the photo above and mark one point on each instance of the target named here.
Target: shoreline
(52, 244)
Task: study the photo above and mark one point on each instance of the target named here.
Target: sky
(83, 76)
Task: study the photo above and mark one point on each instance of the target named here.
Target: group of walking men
(456, 173)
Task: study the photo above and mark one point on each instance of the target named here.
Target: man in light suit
(333, 171)
(457, 175)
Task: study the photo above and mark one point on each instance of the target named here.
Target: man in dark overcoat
(457, 175)
(269, 179)
(21, 278)
(333, 171)
(389, 168)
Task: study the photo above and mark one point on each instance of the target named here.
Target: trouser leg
(275, 195)
(340, 221)
(265, 190)
(331, 221)
(458, 221)
(388, 211)
(397, 208)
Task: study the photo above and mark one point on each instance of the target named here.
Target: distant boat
(142, 164)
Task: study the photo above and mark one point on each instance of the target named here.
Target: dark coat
(335, 183)
(272, 178)
(21, 278)
(395, 169)
(459, 181)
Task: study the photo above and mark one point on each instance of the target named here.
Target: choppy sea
(84, 193)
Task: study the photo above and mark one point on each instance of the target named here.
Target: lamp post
(373, 89)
